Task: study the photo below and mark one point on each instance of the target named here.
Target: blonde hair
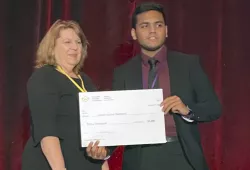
(45, 52)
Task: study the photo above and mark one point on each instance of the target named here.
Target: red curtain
(217, 30)
(2, 77)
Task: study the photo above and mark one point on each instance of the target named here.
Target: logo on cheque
(85, 99)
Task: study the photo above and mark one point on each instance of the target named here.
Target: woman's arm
(52, 150)
(43, 98)
(105, 166)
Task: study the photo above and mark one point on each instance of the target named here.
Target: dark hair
(145, 7)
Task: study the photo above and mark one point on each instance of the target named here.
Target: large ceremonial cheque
(127, 117)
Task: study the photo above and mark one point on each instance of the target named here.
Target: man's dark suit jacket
(190, 83)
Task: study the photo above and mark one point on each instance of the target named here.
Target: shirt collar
(160, 56)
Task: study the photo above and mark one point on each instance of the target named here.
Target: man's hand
(96, 152)
(174, 104)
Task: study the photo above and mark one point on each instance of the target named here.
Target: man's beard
(148, 48)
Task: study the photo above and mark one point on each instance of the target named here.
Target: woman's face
(68, 48)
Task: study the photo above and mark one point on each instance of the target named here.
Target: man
(189, 96)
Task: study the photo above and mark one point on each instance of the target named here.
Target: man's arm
(207, 106)
(119, 84)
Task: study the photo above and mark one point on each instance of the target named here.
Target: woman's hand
(97, 152)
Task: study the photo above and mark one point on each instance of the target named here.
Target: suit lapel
(173, 73)
(134, 77)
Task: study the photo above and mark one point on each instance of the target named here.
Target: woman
(53, 100)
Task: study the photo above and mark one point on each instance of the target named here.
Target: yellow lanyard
(82, 89)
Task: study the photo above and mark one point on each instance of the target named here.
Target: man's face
(151, 30)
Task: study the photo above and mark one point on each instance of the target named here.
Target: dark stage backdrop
(217, 30)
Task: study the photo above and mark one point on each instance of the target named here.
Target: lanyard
(82, 89)
(153, 84)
